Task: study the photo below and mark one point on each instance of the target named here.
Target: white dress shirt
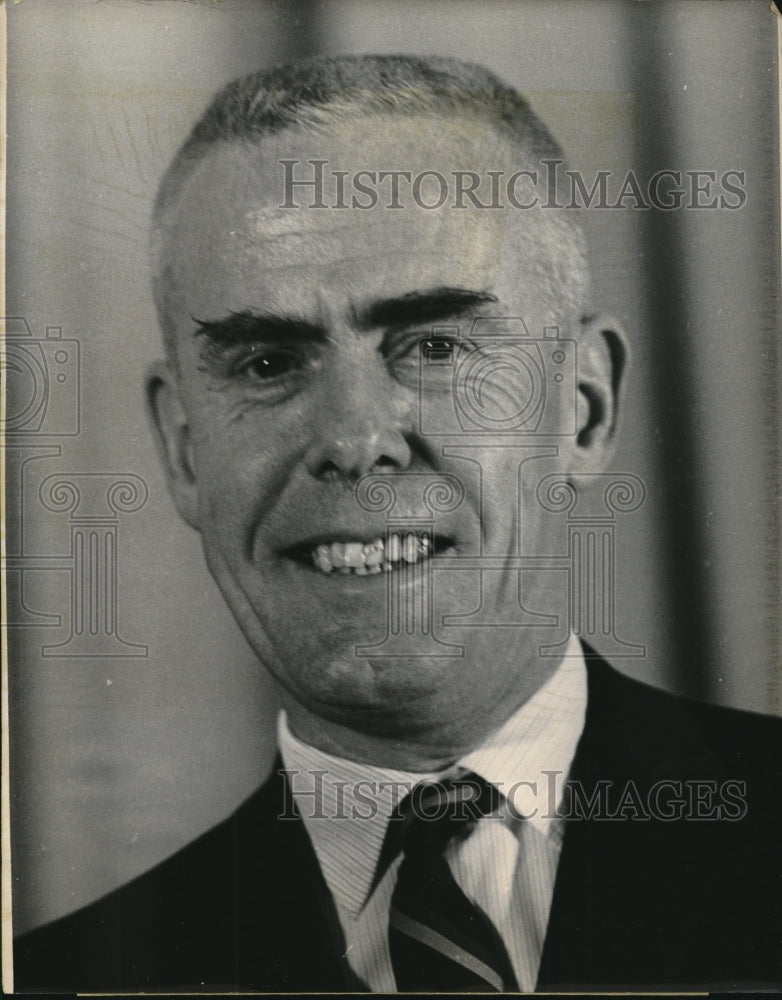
(506, 868)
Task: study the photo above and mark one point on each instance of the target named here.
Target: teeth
(374, 553)
(375, 557)
(322, 558)
(354, 554)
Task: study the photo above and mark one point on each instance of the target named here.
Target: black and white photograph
(391, 497)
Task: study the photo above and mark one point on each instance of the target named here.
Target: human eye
(439, 350)
(267, 372)
(429, 359)
(270, 365)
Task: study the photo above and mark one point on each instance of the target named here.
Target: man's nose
(362, 425)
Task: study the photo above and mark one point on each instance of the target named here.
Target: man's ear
(602, 356)
(171, 431)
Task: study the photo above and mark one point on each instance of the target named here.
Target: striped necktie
(438, 939)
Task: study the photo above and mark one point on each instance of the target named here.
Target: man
(346, 416)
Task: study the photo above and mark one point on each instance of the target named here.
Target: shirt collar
(346, 806)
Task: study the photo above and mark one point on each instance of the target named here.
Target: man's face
(299, 336)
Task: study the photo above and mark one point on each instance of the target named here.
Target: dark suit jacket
(636, 903)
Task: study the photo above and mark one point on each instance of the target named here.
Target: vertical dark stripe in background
(681, 499)
(704, 79)
(300, 29)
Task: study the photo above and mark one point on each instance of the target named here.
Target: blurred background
(153, 724)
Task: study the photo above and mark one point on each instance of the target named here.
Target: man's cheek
(239, 487)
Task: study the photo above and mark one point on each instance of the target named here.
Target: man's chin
(370, 692)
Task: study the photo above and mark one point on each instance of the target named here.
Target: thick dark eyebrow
(414, 308)
(249, 327)
(428, 306)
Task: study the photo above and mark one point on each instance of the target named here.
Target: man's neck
(402, 753)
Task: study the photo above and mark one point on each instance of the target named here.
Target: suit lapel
(625, 886)
(290, 937)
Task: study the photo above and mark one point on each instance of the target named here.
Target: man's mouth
(380, 555)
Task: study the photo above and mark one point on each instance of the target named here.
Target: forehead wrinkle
(265, 225)
(268, 223)
(474, 243)
(331, 265)
(328, 240)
